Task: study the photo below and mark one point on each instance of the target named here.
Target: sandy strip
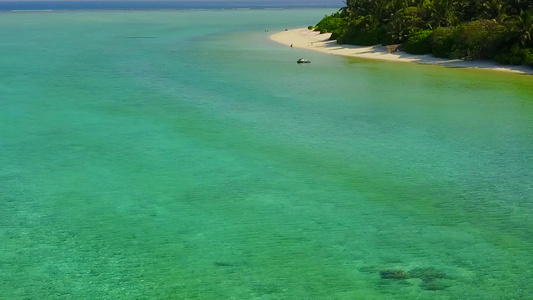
(313, 40)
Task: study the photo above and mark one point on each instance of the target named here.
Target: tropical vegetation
(501, 30)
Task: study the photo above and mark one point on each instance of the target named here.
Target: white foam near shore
(313, 40)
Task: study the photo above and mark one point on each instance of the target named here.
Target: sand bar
(313, 40)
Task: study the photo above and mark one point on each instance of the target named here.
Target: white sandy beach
(313, 40)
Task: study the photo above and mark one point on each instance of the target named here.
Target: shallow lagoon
(149, 155)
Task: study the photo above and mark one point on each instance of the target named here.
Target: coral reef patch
(394, 274)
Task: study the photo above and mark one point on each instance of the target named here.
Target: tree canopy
(468, 29)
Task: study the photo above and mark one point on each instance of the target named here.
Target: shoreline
(147, 10)
(56, 10)
(304, 38)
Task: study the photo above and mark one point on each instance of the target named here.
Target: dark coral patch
(426, 273)
(394, 274)
(223, 264)
(433, 285)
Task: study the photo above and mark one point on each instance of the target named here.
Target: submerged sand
(313, 40)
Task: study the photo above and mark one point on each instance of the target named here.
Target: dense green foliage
(468, 29)
(330, 23)
(419, 42)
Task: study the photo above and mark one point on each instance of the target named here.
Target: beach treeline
(500, 30)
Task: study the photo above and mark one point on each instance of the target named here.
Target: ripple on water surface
(149, 155)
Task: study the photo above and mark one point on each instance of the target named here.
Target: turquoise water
(183, 155)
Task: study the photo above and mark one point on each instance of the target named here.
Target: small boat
(303, 61)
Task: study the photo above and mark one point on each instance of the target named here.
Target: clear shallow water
(184, 155)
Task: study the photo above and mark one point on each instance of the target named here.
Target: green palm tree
(521, 26)
(442, 13)
(525, 27)
(495, 9)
